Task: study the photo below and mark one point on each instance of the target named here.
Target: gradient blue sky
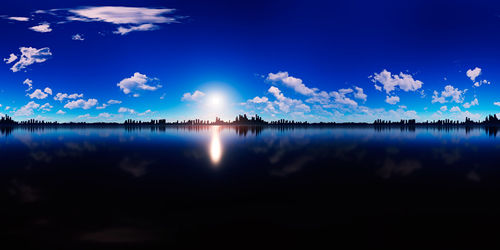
(302, 60)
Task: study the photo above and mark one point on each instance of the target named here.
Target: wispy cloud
(28, 57)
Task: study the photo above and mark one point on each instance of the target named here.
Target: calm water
(117, 187)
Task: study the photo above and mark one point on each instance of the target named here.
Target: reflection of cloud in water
(403, 168)
(297, 164)
(449, 156)
(119, 235)
(24, 192)
(136, 168)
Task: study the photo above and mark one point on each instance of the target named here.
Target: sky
(303, 60)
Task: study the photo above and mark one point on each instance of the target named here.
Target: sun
(215, 101)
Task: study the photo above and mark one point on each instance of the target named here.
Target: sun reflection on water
(215, 146)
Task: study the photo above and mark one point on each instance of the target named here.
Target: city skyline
(92, 61)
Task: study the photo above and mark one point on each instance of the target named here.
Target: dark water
(210, 186)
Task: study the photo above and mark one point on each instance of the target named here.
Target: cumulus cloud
(473, 73)
(60, 112)
(137, 83)
(472, 103)
(27, 109)
(454, 95)
(48, 91)
(479, 83)
(81, 104)
(30, 56)
(444, 108)
(110, 102)
(42, 28)
(11, 58)
(61, 96)
(126, 110)
(45, 107)
(390, 82)
(392, 99)
(29, 83)
(195, 96)
(496, 103)
(290, 82)
(339, 97)
(286, 104)
(359, 94)
(38, 94)
(455, 109)
(259, 99)
(77, 37)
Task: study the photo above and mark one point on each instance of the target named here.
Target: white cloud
(444, 108)
(340, 98)
(145, 112)
(196, 96)
(103, 106)
(29, 83)
(60, 112)
(377, 87)
(496, 103)
(449, 91)
(114, 102)
(38, 94)
(126, 110)
(42, 28)
(48, 91)
(110, 102)
(392, 99)
(134, 18)
(11, 58)
(359, 94)
(83, 116)
(479, 83)
(455, 109)
(286, 104)
(30, 56)
(291, 82)
(123, 15)
(18, 18)
(136, 83)
(259, 99)
(390, 82)
(77, 37)
(143, 27)
(81, 104)
(45, 107)
(473, 73)
(61, 96)
(27, 109)
(470, 104)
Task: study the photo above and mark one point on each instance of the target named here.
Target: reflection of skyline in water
(244, 130)
(150, 184)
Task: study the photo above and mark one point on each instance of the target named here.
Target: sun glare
(215, 101)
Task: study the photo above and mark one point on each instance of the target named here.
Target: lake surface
(241, 186)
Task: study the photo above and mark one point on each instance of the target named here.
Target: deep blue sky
(226, 50)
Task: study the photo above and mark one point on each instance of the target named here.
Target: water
(143, 187)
